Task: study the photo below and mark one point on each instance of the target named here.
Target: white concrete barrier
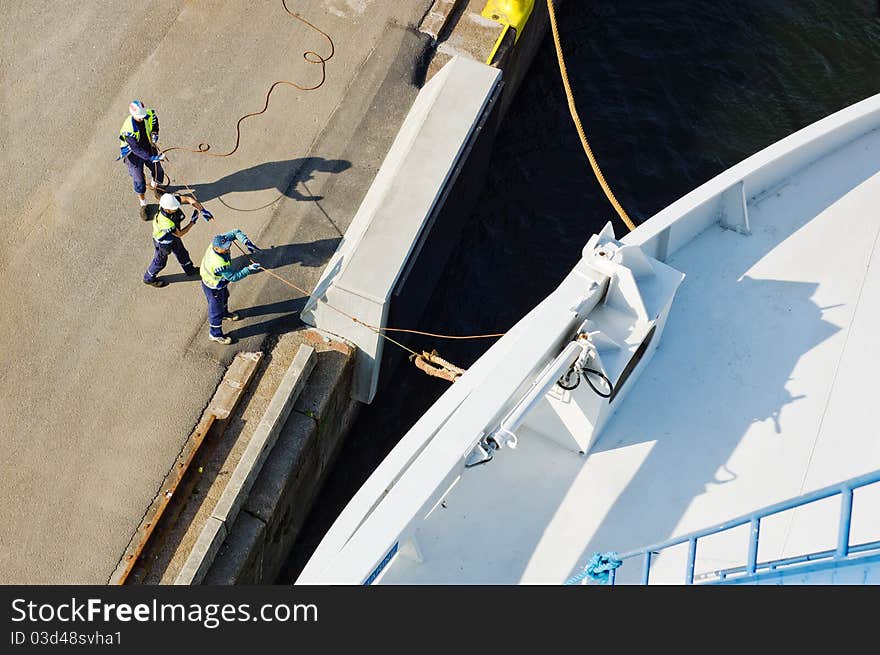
(361, 275)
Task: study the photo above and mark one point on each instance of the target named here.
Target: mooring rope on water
(563, 71)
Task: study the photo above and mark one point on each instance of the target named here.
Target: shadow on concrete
(152, 210)
(279, 307)
(179, 277)
(284, 313)
(284, 317)
(315, 253)
(283, 176)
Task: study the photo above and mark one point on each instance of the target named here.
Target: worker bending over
(168, 236)
(217, 273)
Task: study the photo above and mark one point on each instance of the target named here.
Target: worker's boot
(193, 272)
(155, 187)
(232, 316)
(221, 339)
(157, 283)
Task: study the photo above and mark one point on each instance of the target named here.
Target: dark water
(670, 93)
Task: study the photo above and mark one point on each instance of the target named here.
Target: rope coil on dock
(310, 56)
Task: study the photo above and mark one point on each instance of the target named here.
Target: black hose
(605, 379)
(565, 382)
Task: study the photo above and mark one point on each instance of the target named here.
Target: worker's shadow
(284, 176)
(284, 314)
(312, 254)
(315, 253)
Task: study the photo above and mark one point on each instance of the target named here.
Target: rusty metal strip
(223, 403)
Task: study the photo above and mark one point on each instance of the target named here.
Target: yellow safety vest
(161, 224)
(131, 127)
(212, 263)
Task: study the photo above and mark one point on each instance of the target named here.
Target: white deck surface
(763, 388)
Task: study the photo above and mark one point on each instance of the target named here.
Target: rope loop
(310, 56)
(599, 568)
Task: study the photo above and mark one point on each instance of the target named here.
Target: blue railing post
(646, 567)
(692, 557)
(846, 498)
(754, 531)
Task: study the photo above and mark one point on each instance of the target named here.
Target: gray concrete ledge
(203, 553)
(264, 438)
(269, 524)
(248, 468)
(248, 538)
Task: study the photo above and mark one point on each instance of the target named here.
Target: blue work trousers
(136, 170)
(161, 258)
(218, 308)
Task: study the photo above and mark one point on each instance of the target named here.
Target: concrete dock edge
(248, 468)
(263, 440)
(203, 553)
(269, 523)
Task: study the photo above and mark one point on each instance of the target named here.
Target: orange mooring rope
(563, 71)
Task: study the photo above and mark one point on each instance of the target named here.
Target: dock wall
(273, 510)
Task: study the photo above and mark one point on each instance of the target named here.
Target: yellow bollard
(513, 14)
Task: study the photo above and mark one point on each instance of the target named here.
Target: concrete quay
(103, 377)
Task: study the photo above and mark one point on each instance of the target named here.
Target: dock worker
(168, 236)
(138, 146)
(217, 273)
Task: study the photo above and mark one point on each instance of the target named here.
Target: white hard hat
(169, 202)
(137, 109)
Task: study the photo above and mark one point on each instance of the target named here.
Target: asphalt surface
(103, 377)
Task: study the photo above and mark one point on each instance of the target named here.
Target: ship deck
(761, 389)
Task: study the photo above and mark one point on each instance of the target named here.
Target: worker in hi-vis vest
(138, 139)
(217, 273)
(168, 236)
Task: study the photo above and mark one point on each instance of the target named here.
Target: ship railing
(771, 565)
(843, 549)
